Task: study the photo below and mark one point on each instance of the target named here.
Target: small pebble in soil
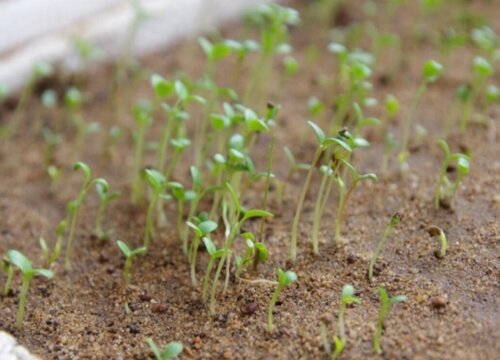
(145, 297)
(439, 302)
(160, 308)
(249, 308)
(133, 328)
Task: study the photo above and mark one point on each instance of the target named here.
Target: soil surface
(452, 310)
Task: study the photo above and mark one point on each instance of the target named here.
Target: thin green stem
(22, 300)
(272, 304)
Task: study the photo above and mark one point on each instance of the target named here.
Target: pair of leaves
(17, 259)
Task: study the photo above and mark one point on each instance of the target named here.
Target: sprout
(129, 255)
(105, 197)
(284, 279)
(255, 253)
(346, 299)
(434, 231)
(20, 261)
(75, 205)
(385, 305)
(182, 196)
(201, 230)
(158, 185)
(430, 73)
(323, 143)
(52, 257)
(481, 70)
(394, 221)
(446, 188)
(169, 352)
(214, 254)
(143, 120)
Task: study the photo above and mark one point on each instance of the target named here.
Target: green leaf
(161, 87)
(196, 176)
(482, 67)
(431, 70)
(19, 260)
(172, 350)
(207, 227)
(256, 213)
(206, 45)
(196, 229)
(286, 278)
(210, 246)
(124, 248)
(463, 164)
(102, 186)
(256, 125)
(320, 135)
(391, 105)
(73, 98)
(398, 298)
(262, 252)
(155, 179)
(87, 174)
(154, 348)
(45, 273)
(181, 90)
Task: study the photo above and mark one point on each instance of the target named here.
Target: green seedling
(201, 230)
(430, 73)
(238, 217)
(129, 256)
(273, 20)
(255, 253)
(169, 352)
(284, 279)
(392, 109)
(482, 70)
(324, 143)
(347, 298)
(182, 196)
(394, 221)
(55, 175)
(7, 268)
(143, 120)
(214, 254)
(434, 231)
(40, 70)
(20, 261)
(52, 256)
(486, 40)
(74, 206)
(385, 305)
(105, 198)
(51, 140)
(345, 192)
(447, 188)
(158, 185)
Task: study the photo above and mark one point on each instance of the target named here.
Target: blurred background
(57, 30)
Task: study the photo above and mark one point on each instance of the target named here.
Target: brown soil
(452, 310)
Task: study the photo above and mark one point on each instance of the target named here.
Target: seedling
(385, 305)
(255, 253)
(234, 222)
(20, 261)
(169, 352)
(129, 255)
(105, 198)
(201, 230)
(346, 299)
(323, 143)
(446, 188)
(52, 257)
(394, 221)
(434, 231)
(158, 185)
(430, 73)
(284, 279)
(182, 196)
(482, 70)
(143, 120)
(75, 205)
(214, 254)
(55, 175)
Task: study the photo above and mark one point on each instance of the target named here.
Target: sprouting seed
(129, 255)
(434, 231)
(385, 305)
(394, 221)
(20, 261)
(284, 279)
(169, 352)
